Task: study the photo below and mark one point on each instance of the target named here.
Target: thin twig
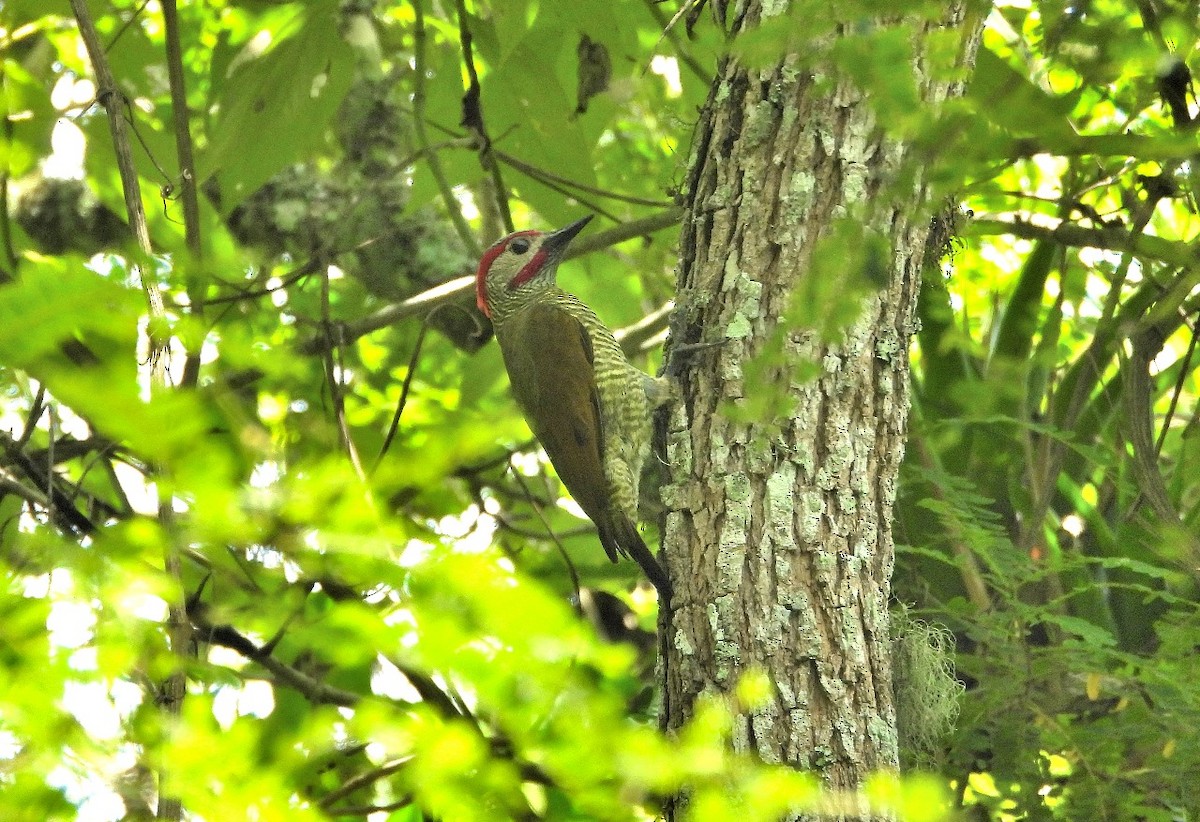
(10, 255)
(131, 121)
(589, 204)
(179, 628)
(310, 267)
(125, 26)
(404, 389)
(315, 691)
(473, 119)
(333, 372)
(114, 482)
(541, 175)
(12, 485)
(1111, 239)
(453, 209)
(429, 691)
(187, 180)
(368, 810)
(362, 780)
(1185, 367)
(508, 525)
(668, 28)
(35, 413)
(39, 470)
(537, 509)
(408, 376)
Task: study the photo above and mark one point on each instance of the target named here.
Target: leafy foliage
(388, 632)
(1049, 498)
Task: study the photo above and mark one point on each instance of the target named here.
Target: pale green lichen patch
(682, 644)
(847, 503)
(739, 327)
(734, 531)
(725, 653)
(764, 728)
(768, 635)
(719, 452)
(747, 297)
(888, 345)
(760, 123)
(810, 509)
(780, 500)
(722, 93)
(774, 8)
(730, 561)
(797, 198)
(855, 182)
(783, 572)
(737, 488)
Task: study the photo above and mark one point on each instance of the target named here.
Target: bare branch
(453, 289)
(362, 780)
(1113, 239)
(408, 376)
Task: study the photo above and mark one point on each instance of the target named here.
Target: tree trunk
(778, 531)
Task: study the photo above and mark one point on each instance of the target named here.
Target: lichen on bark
(777, 531)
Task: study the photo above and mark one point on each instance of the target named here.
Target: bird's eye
(519, 245)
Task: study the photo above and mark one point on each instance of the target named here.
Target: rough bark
(778, 533)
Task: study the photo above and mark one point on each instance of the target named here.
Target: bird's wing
(549, 358)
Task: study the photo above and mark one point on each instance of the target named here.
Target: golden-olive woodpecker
(589, 408)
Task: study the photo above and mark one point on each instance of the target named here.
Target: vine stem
(179, 630)
(109, 96)
(453, 209)
(187, 179)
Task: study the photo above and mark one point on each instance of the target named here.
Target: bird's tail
(620, 537)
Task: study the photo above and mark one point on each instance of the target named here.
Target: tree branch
(315, 691)
(1139, 401)
(453, 289)
(1112, 239)
(362, 780)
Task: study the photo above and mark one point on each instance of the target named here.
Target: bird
(588, 406)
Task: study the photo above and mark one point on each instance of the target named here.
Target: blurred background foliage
(394, 633)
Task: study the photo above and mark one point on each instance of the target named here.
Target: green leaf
(1008, 98)
(25, 107)
(1089, 633)
(276, 105)
(1016, 335)
(58, 301)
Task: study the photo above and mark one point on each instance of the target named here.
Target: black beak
(556, 242)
